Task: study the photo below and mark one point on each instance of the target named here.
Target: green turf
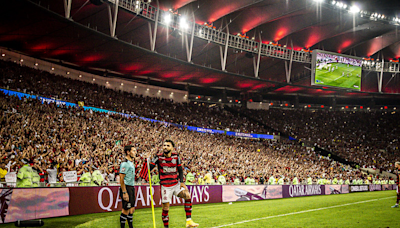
(336, 78)
(376, 213)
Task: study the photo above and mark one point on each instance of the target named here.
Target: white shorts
(167, 192)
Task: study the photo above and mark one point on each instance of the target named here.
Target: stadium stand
(47, 136)
(22, 78)
(367, 137)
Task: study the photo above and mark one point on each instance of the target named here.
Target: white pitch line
(300, 212)
(338, 78)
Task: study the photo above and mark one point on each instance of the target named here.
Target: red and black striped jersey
(167, 168)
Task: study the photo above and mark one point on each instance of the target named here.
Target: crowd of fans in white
(51, 140)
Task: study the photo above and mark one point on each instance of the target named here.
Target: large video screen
(332, 69)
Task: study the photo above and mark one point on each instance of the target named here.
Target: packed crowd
(369, 138)
(61, 139)
(50, 138)
(29, 80)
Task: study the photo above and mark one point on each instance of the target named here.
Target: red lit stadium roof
(39, 28)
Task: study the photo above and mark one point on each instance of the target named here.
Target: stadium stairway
(317, 149)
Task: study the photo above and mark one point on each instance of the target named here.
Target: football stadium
(183, 113)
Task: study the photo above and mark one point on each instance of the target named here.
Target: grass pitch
(368, 209)
(343, 75)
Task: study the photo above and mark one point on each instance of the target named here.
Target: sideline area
(367, 209)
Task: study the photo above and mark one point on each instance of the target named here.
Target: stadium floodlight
(183, 24)
(354, 9)
(318, 1)
(333, 2)
(137, 7)
(167, 18)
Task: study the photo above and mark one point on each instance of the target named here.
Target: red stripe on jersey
(168, 164)
(165, 177)
(169, 183)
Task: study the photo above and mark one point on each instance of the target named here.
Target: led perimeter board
(336, 70)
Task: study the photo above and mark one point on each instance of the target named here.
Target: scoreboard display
(336, 70)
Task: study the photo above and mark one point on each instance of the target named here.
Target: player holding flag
(171, 181)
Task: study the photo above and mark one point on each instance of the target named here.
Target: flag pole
(151, 193)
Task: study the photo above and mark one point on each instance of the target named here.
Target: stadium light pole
(67, 8)
(189, 46)
(257, 70)
(381, 76)
(289, 71)
(153, 36)
(224, 53)
(113, 18)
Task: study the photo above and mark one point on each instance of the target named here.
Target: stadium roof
(39, 28)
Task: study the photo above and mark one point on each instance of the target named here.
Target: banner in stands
(289, 191)
(11, 177)
(17, 94)
(336, 189)
(386, 187)
(375, 187)
(205, 130)
(33, 203)
(70, 176)
(358, 188)
(232, 193)
(248, 135)
(58, 102)
(103, 199)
